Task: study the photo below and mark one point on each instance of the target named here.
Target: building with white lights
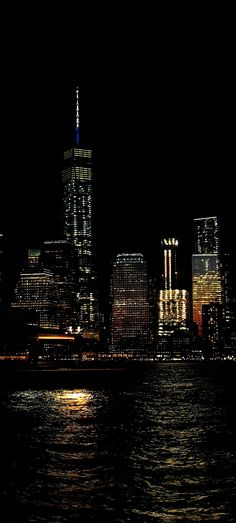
(58, 256)
(206, 266)
(173, 302)
(130, 308)
(35, 292)
(77, 183)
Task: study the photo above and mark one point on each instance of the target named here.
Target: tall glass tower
(206, 270)
(130, 308)
(77, 178)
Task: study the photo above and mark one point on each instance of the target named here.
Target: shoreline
(120, 375)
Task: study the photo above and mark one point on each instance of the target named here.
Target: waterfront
(154, 445)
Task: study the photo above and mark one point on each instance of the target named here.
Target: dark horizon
(157, 104)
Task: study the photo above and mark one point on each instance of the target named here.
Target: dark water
(161, 448)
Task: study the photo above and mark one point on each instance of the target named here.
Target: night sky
(157, 105)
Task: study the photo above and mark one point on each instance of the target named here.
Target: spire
(77, 117)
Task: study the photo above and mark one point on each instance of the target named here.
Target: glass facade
(206, 267)
(77, 223)
(58, 256)
(130, 309)
(34, 292)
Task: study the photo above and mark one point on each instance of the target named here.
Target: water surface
(160, 448)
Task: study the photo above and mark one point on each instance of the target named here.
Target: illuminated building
(206, 270)
(228, 298)
(130, 309)
(58, 256)
(173, 310)
(34, 291)
(152, 298)
(173, 303)
(77, 178)
(170, 246)
(212, 322)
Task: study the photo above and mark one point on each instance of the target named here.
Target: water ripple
(162, 450)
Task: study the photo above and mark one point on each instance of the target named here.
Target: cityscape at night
(142, 313)
(117, 264)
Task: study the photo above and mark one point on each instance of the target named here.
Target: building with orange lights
(173, 302)
(206, 266)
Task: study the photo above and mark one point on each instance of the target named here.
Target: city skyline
(133, 137)
(121, 193)
(157, 104)
(128, 112)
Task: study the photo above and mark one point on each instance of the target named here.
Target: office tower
(130, 308)
(173, 303)
(228, 297)
(170, 246)
(34, 258)
(228, 300)
(58, 256)
(152, 298)
(206, 270)
(35, 292)
(173, 308)
(77, 180)
(212, 323)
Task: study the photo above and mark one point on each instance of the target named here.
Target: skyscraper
(212, 323)
(58, 256)
(77, 178)
(130, 309)
(35, 291)
(206, 271)
(173, 303)
(170, 246)
(173, 310)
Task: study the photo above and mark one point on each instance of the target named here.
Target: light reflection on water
(163, 450)
(75, 400)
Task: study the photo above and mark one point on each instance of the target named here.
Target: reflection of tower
(130, 310)
(78, 226)
(206, 272)
(173, 305)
